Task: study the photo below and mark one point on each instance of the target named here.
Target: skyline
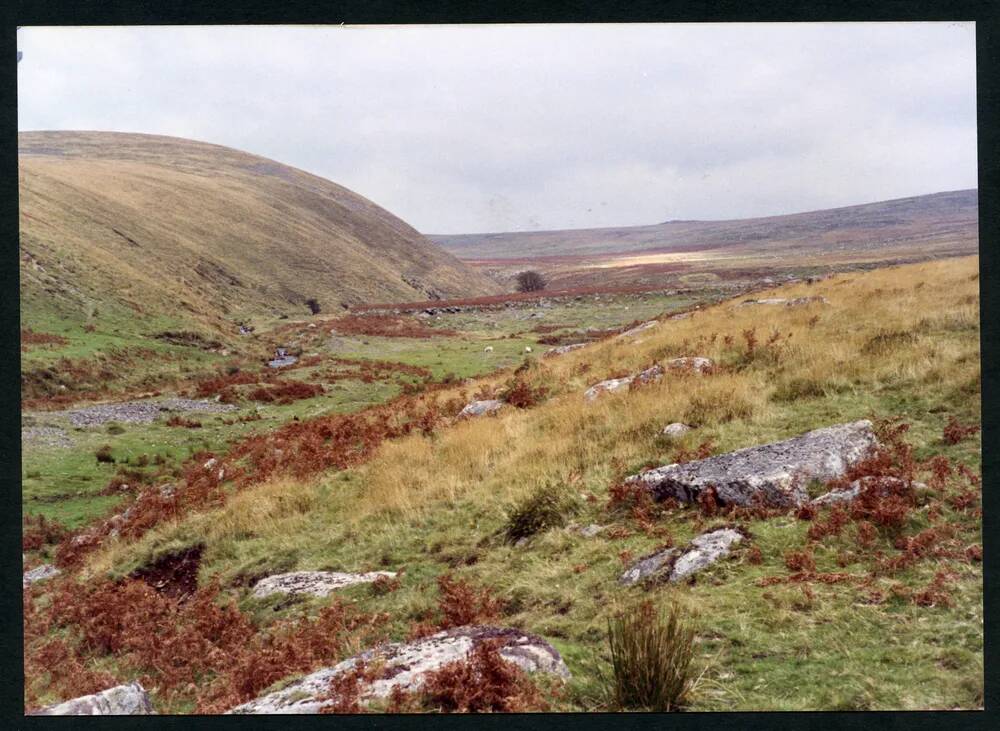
(576, 128)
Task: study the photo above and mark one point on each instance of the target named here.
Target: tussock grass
(651, 651)
(428, 505)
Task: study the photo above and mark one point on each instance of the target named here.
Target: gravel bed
(137, 412)
(45, 436)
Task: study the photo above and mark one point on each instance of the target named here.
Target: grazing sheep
(527, 348)
(488, 349)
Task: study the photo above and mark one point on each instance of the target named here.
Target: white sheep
(527, 348)
(488, 349)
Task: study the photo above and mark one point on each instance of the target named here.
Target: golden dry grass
(171, 226)
(498, 459)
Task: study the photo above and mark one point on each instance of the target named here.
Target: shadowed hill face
(938, 224)
(164, 226)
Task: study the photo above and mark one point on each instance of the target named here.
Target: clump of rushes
(651, 651)
(544, 508)
(103, 455)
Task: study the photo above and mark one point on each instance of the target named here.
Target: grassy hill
(887, 614)
(938, 224)
(168, 229)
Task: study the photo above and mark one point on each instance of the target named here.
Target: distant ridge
(914, 221)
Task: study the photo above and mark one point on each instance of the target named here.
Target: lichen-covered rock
(39, 573)
(562, 349)
(122, 700)
(653, 373)
(637, 329)
(691, 364)
(315, 583)
(704, 550)
(612, 384)
(854, 489)
(405, 666)
(777, 474)
(674, 564)
(675, 430)
(481, 408)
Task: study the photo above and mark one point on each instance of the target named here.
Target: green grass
(757, 647)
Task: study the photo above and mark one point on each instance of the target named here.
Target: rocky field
(504, 508)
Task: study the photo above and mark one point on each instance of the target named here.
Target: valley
(429, 493)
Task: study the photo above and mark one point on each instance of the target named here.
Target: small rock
(314, 583)
(693, 364)
(653, 373)
(122, 700)
(481, 408)
(675, 430)
(612, 384)
(637, 329)
(591, 530)
(39, 573)
(675, 564)
(854, 489)
(563, 349)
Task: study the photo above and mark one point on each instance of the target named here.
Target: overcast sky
(500, 128)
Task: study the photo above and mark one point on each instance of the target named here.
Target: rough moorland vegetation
(524, 518)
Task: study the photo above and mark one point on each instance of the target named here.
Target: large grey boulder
(775, 473)
(405, 666)
(39, 573)
(122, 700)
(481, 408)
(563, 349)
(314, 583)
(675, 564)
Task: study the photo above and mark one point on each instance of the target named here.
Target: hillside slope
(902, 578)
(942, 223)
(162, 226)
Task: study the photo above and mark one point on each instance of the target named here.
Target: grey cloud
(459, 129)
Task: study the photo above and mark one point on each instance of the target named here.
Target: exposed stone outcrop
(675, 564)
(122, 700)
(405, 666)
(481, 408)
(777, 474)
(39, 573)
(563, 349)
(315, 583)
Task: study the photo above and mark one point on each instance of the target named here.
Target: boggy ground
(874, 608)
